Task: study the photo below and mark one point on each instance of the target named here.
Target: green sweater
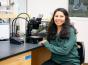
(64, 50)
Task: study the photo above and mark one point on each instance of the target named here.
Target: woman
(61, 40)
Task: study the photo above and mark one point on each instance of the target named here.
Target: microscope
(31, 35)
(32, 30)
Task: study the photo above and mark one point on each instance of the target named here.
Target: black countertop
(8, 50)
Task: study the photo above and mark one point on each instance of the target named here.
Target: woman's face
(59, 18)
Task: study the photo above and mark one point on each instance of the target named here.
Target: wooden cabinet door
(40, 55)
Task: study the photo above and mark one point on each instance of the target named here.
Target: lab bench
(23, 54)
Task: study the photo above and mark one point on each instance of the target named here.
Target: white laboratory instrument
(4, 30)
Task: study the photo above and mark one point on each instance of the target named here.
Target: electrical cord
(24, 14)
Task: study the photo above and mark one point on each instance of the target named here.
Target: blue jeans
(51, 62)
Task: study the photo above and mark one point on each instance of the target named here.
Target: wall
(45, 7)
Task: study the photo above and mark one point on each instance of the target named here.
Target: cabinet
(35, 57)
(21, 59)
(40, 55)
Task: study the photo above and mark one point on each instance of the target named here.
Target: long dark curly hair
(52, 28)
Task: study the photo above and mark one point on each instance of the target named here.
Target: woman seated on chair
(61, 40)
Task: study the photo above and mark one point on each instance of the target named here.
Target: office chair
(81, 52)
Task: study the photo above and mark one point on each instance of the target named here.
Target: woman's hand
(41, 43)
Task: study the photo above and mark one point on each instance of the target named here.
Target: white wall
(45, 7)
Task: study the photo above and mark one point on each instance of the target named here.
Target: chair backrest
(81, 51)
